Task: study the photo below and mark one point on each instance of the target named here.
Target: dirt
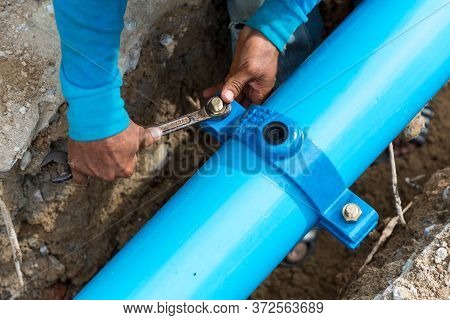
(417, 255)
(68, 233)
(28, 75)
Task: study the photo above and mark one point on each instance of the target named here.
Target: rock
(38, 196)
(130, 25)
(441, 255)
(50, 9)
(414, 128)
(427, 230)
(23, 110)
(408, 264)
(165, 39)
(34, 242)
(25, 161)
(446, 196)
(401, 293)
(43, 250)
(29, 268)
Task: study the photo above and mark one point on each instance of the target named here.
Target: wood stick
(398, 201)
(16, 252)
(387, 232)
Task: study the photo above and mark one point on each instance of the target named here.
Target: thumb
(149, 136)
(234, 86)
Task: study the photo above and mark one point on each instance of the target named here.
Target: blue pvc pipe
(183, 254)
(228, 227)
(363, 85)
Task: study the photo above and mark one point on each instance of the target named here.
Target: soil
(415, 256)
(68, 233)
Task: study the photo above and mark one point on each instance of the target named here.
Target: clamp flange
(287, 148)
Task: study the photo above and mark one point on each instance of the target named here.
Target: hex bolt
(351, 212)
(216, 106)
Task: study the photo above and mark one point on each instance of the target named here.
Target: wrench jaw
(60, 159)
(217, 110)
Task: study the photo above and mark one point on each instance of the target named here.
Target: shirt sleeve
(90, 77)
(278, 19)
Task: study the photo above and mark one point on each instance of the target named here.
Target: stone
(43, 250)
(401, 293)
(446, 196)
(25, 161)
(427, 231)
(165, 40)
(441, 255)
(38, 196)
(33, 242)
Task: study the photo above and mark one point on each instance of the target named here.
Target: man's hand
(111, 158)
(253, 71)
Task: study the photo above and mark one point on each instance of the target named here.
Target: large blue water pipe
(285, 167)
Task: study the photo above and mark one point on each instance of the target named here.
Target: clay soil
(83, 227)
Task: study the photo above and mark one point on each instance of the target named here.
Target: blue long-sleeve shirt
(90, 40)
(278, 19)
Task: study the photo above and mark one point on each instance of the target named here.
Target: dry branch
(17, 254)
(195, 103)
(398, 201)
(387, 232)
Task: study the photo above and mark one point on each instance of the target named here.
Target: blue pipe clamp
(290, 152)
(284, 167)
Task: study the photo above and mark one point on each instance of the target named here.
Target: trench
(82, 228)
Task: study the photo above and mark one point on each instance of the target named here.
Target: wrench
(214, 109)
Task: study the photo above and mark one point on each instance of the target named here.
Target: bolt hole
(276, 133)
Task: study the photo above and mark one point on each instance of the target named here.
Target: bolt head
(351, 212)
(216, 105)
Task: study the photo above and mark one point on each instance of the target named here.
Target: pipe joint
(288, 149)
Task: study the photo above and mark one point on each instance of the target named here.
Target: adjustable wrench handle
(183, 121)
(214, 109)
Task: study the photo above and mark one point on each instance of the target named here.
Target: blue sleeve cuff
(278, 19)
(94, 114)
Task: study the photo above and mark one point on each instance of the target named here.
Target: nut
(216, 106)
(351, 212)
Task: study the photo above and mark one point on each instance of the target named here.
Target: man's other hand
(253, 71)
(111, 158)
